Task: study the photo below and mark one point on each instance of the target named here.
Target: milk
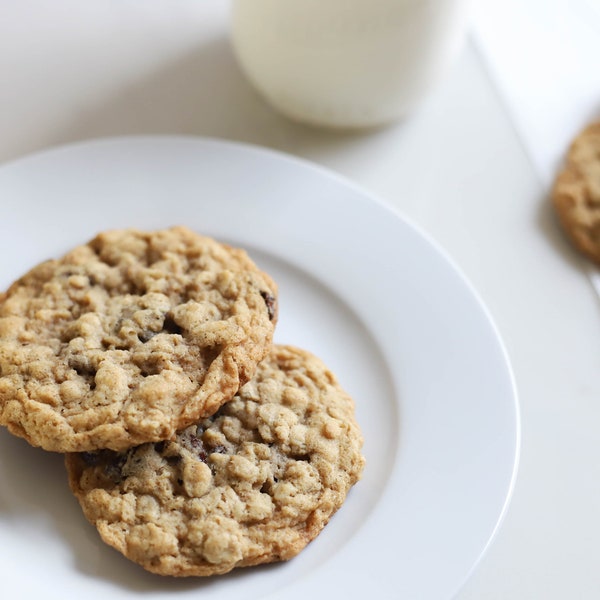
(346, 63)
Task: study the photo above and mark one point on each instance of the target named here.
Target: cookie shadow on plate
(34, 489)
(106, 563)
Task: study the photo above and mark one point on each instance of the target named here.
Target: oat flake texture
(130, 337)
(254, 483)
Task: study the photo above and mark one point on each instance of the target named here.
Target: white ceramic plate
(360, 287)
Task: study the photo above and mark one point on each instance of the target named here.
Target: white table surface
(462, 166)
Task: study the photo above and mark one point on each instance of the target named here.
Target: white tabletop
(463, 166)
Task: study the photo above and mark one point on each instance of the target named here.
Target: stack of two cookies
(192, 443)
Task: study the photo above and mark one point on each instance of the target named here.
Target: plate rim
(366, 195)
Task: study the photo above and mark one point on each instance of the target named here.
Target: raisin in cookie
(254, 483)
(576, 192)
(129, 338)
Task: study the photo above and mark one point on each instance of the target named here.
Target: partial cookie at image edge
(576, 193)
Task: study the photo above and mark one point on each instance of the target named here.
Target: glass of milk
(346, 63)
